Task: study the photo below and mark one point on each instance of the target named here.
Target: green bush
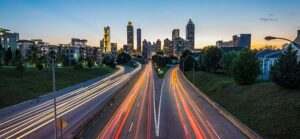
(211, 58)
(245, 67)
(226, 60)
(286, 71)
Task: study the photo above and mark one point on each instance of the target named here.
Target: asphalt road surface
(75, 107)
(167, 108)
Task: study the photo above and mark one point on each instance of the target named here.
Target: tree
(186, 53)
(245, 67)
(109, 61)
(123, 58)
(79, 63)
(19, 61)
(159, 60)
(41, 62)
(226, 60)
(269, 47)
(90, 62)
(211, 58)
(32, 55)
(8, 56)
(187, 63)
(286, 70)
(1, 54)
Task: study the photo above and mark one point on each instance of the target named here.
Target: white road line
(213, 129)
(130, 127)
(138, 104)
(161, 91)
(154, 105)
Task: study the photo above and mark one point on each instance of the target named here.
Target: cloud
(268, 19)
(271, 14)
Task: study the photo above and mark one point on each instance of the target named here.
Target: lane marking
(138, 104)
(161, 92)
(130, 127)
(213, 129)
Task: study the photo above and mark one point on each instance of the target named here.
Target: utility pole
(54, 98)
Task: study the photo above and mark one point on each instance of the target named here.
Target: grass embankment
(16, 86)
(273, 112)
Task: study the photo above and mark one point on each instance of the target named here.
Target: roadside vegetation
(162, 64)
(271, 108)
(17, 86)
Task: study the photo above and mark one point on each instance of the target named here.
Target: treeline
(244, 66)
(37, 59)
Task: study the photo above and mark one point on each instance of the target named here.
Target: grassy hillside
(16, 86)
(270, 110)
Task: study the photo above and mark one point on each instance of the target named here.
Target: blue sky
(57, 21)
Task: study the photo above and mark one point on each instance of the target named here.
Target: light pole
(54, 98)
(269, 38)
(54, 57)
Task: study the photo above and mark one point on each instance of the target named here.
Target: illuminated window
(7, 39)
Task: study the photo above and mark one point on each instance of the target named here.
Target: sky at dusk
(57, 21)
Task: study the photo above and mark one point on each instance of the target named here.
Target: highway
(166, 108)
(75, 107)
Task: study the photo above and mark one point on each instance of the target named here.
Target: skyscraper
(190, 33)
(158, 45)
(175, 34)
(139, 40)
(106, 39)
(130, 37)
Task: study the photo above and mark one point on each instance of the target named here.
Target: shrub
(246, 67)
(286, 71)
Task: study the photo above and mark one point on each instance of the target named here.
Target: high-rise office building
(139, 40)
(175, 34)
(244, 40)
(106, 39)
(190, 33)
(114, 48)
(158, 45)
(168, 47)
(130, 37)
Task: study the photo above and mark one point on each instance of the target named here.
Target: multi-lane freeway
(166, 108)
(75, 107)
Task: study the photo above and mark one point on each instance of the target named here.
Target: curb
(237, 123)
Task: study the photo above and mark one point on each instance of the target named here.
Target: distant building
(175, 34)
(25, 47)
(102, 45)
(158, 45)
(179, 45)
(242, 40)
(190, 34)
(8, 39)
(168, 47)
(145, 44)
(106, 39)
(139, 41)
(295, 47)
(114, 48)
(130, 37)
(126, 48)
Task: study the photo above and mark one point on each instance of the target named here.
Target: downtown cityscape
(149, 69)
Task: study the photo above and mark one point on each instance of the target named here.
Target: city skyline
(157, 20)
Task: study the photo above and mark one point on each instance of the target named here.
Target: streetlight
(54, 58)
(269, 38)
